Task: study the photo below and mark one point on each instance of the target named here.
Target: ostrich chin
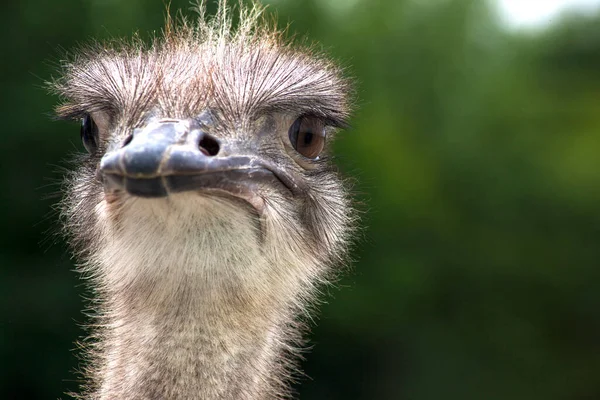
(211, 245)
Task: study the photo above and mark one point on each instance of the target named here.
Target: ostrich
(206, 213)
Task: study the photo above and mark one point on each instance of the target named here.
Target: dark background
(477, 156)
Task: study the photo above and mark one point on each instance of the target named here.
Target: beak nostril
(209, 145)
(127, 140)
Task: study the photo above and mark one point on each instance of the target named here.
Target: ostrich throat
(193, 300)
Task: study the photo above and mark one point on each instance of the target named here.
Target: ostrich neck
(188, 347)
(202, 315)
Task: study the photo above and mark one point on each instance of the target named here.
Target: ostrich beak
(172, 156)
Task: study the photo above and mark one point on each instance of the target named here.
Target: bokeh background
(476, 152)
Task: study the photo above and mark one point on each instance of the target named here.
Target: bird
(207, 214)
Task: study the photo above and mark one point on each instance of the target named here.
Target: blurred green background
(476, 151)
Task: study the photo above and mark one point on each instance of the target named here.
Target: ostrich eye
(307, 136)
(89, 134)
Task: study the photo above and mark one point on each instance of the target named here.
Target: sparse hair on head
(243, 71)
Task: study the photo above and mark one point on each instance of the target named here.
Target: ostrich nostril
(209, 145)
(127, 140)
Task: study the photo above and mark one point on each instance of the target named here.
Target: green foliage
(476, 158)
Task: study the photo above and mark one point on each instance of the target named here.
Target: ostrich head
(207, 211)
